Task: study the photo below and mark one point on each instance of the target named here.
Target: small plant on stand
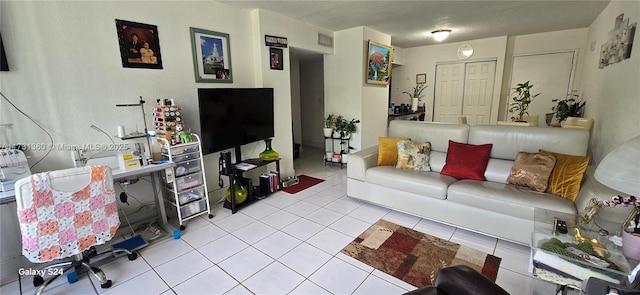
(329, 122)
(571, 106)
(521, 101)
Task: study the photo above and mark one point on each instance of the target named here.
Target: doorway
(307, 100)
(464, 90)
(551, 73)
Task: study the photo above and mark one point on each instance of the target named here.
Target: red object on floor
(305, 183)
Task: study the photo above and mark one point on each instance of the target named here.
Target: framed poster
(379, 57)
(139, 45)
(211, 56)
(421, 78)
(275, 57)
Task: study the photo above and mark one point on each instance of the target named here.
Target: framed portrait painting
(139, 45)
(211, 56)
(379, 57)
(275, 58)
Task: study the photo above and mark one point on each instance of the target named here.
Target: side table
(565, 272)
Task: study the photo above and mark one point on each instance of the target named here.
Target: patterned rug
(415, 257)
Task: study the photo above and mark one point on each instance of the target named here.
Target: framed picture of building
(211, 56)
(139, 45)
(379, 57)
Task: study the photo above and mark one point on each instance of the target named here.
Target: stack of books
(269, 182)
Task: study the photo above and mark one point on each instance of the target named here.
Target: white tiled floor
(285, 244)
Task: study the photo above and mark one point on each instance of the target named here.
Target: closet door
(464, 89)
(447, 103)
(478, 92)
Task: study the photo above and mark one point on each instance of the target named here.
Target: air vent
(325, 40)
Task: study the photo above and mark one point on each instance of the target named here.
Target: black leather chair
(460, 280)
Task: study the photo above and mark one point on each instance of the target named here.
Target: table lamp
(620, 170)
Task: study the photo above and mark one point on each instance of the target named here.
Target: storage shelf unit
(186, 189)
(332, 150)
(254, 193)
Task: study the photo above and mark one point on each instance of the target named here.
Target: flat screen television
(232, 117)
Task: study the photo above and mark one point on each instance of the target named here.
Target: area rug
(305, 183)
(415, 257)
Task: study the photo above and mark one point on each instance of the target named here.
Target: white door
(552, 77)
(447, 103)
(464, 89)
(478, 93)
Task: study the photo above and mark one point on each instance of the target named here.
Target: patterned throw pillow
(414, 155)
(388, 150)
(532, 170)
(567, 175)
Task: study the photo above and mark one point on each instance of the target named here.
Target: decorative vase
(268, 154)
(630, 245)
(327, 132)
(414, 104)
(240, 191)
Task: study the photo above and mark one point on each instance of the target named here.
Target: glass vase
(240, 191)
(268, 154)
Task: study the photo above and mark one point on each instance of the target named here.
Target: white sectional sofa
(492, 207)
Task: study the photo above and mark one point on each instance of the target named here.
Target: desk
(10, 239)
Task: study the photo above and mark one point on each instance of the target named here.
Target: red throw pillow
(467, 161)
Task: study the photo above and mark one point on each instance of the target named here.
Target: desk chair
(66, 213)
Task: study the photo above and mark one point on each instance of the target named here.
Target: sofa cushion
(532, 171)
(429, 184)
(413, 155)
(506, 199)
(388, 150)
(567, 175)
(466, 161)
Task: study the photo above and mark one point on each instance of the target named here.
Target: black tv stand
(254, 193)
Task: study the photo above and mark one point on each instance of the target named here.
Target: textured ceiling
(410, 22)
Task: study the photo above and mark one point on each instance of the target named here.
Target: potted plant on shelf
(344, 151)
(416, 96)
(571, 106)
(631, 226)
(520, 104)
(328, 125)
(348, 127)
(338, 126)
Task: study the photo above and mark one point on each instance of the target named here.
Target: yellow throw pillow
(567, 174)
(388, 150)
(414, 155)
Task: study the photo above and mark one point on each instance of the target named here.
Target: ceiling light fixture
(440, 35)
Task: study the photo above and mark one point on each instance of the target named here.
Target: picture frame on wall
(275, 58)
(211, 56)
(139, 45)
(379, 57)
(421, 78)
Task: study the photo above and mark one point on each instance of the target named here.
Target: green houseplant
(520, 102)
(571, 106)
(416, 95)
(328, 125)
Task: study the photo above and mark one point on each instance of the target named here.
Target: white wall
(423, 59)
(296, 120)
(612, 93)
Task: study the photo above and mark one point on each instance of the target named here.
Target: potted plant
(521, 101)
(631, 227)
(344, 151)
(416, 95)
(338, 126)
(571, 106)
(328, 125)
(347, 128)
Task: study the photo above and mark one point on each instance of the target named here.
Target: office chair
(66, 213)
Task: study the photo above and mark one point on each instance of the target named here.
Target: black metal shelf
(254, 193)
